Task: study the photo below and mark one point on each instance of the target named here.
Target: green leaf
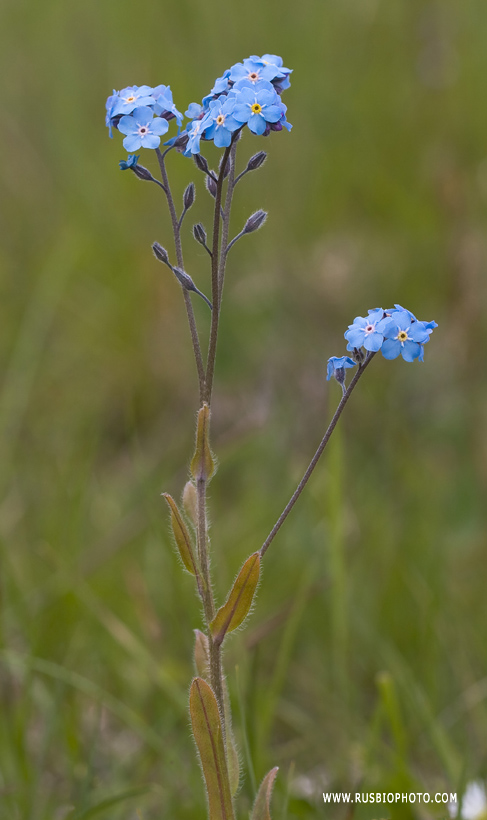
(182, 537)
(207, 730)
(202, 464)
(261, 810)
(238, 603)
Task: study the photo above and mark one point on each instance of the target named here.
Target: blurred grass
(378, 195)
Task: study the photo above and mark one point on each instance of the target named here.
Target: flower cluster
(395, 332)
(142, 114)
(248, 93)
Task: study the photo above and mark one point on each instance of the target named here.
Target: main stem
(314, 461)
(179, 256)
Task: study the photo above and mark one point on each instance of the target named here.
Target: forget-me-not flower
(366, 331)
(143, 130)
(131, 160)
(222, 122)
(336, 366)
(131, 98)
(196, 130)
(257, 104)
(404, 336)
(163, 104)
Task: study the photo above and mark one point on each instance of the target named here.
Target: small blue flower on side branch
(336, 368)
(143, 130)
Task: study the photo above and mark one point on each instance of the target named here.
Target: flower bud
(201, 163)
(256, 161)
(255, 222)
(188, 197)
(184, 279)
(160, 253)
(190, 502)
(181, 142)
(199, 233)
(211, 186)
(358, 355)
(142, 173)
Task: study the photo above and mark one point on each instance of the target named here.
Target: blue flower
(142, 129)
(131, 98)
(257, 104)
(366, 331)
(196, 130)
(110, 105)
(163, 104)
(194, 111)
(222, 84)
(269, 67)
(336, 368)
(222, 123)
(131, 160)
(405, 336)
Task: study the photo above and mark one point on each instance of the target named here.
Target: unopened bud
(256, 161)
(184, 279)
(188, 197)
(160, 253)
(201, 163)
(181, 142)
(358, 355)
(142, 173)
(211, 186)
(255, 222)
(199, 233)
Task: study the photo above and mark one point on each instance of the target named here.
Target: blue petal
(127, 125)
(159, 126)
(150, 141)
(257, 124)
(132, 142)
(391, 349)
(373, 341)
(410, 351)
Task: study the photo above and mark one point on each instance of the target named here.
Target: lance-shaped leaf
(190, 503)
(202, 464)
(261, 810)
(201, 654)
(207, 730)
(183, 538)
(238, 603)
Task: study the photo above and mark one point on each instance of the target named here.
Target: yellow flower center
(402, 336)
(256, 108)
(220, 119)
(130, 99)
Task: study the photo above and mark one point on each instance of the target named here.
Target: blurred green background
(364, 664)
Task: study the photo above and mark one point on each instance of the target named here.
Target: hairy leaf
(182, 536)
(202, 464)
(207, 730)
(261, 810)
(238, 603)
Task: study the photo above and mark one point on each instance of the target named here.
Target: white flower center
(370, 328)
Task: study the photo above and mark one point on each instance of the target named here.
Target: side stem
(314, 461)
(179, 256)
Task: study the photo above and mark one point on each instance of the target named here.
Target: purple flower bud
(142, 173)
(256, 161)
(255, 222)
(188, 197)
(201, 163)
(199, 233)
(160, 253)
(211, 185)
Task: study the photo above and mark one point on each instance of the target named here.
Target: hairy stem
(314, 461)
(176, 227)
(216, 675)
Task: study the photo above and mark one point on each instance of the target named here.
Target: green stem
(314, 461)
